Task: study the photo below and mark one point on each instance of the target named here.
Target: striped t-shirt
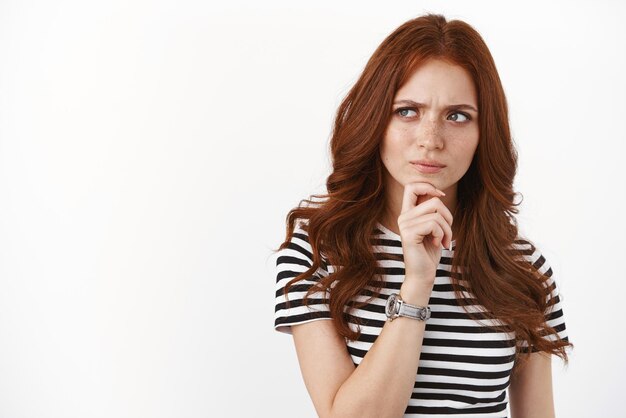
(464, 367)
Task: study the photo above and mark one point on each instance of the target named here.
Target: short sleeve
(554, 315)
(291, 261)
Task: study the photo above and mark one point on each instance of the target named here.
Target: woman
(419, 212)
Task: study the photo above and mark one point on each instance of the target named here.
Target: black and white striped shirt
(464, 367)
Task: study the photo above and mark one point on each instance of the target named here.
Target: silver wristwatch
(397, 307)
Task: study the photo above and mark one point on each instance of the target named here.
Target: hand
(425, 223)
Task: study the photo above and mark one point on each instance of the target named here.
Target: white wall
(150, 150)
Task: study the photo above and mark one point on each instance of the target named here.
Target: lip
(426, 169)
(431, 163)
(427, 166)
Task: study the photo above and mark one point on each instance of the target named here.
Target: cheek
(465, 144)
(465, 156)
(392, 144)
(399, 132)
(397, 137)
(466, 135)
(472, 146)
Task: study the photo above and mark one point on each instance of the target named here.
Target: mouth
(426, 162)
(427, 169)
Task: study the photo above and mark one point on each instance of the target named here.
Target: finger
(413, 192)
(432, 205)
(430, 228)
(446, 230)
(437, 238)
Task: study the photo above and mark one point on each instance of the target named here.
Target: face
(430, 122)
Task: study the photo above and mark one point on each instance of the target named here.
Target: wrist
(417, 294)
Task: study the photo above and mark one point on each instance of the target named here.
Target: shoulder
(525, 249)
(300, 244)
(529, 251)
(299, 249)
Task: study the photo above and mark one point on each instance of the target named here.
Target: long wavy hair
(340, 223)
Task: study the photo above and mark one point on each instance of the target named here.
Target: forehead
(441, 81)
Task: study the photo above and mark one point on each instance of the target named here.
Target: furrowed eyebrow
(418, 105)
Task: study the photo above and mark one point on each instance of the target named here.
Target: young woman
(408, 289)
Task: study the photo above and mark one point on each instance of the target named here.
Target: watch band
(397, 307)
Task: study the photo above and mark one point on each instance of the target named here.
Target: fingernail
(441, 192)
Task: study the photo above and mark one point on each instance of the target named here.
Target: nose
(430, 136)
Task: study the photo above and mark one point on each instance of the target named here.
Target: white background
(150, 151)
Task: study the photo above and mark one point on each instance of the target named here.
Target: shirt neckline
(397, 237)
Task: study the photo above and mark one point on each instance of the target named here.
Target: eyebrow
(454, 106)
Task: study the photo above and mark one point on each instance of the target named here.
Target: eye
(466, 116)
(403, 111)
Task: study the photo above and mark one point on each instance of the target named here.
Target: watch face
(390, 308)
